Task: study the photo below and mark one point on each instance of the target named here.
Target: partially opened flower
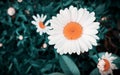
(74, 31)
(42, 26)
(106, 65)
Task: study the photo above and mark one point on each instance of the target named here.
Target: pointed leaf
(100, 9)
(68, 66)
(117, 61)
(96, 57)
(68, 2)
(56, 73)
(95, 72)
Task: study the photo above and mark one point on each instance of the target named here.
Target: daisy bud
(19, 1)
(20, 37)
(11, 11)
(27, 12)
(44, 45)
(1, 44)
(104, 18)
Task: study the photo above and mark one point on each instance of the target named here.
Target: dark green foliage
(28, 57)
(68, 66)
(95, 72)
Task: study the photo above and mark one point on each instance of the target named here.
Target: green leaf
(102, 32)
(117, 61)
(96, 57)
(95, 72)
(56, 73)
(68, 66)
(100, 9)
(28, 69)
(36, 64)
(66, 3)
(47, 67)
(16, 64)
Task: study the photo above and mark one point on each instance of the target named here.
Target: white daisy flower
(74, 31)
(106, 65)
(39, 22)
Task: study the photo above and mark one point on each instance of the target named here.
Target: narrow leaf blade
(68, 66)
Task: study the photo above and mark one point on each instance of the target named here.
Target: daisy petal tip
(71, 7)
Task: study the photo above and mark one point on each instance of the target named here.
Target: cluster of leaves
(28, 57)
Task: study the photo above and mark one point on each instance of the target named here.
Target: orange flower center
(107, 65)
(41, 25)
(72, 31)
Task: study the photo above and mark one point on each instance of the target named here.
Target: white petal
(68, 45)
(82, 45)
(113, 66)
(55, 32)
(91, 40)
(89, 31)
(35, 18)
(77, 47)
(94, 25)
(112, 58)
(86, 41)
(59, 43)
(55, 22)
(42, 16)
(46, 23)
(96, 37)
(54, 39)
(64, 48)
(61, 19)
(38, 16)
(41, 33)
(66, 14)
(34, 22)
(91, 18)
(80, 13)
(73, 11)
(84, 17)
(43, 19)
(73, 46)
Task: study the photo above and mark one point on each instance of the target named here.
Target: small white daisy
(40, 23)
(19, 1)
(44, 45)
(11, 11)
(20, 37)
(74, 31)
(106, 65)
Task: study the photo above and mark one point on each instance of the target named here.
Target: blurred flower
(1, 44)
(104, 18)
(74, 31)
(27, 11)
(20, 37)
(106, 65)
(20, 1)
(11, 11)
(39, 22)
(44, 45)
